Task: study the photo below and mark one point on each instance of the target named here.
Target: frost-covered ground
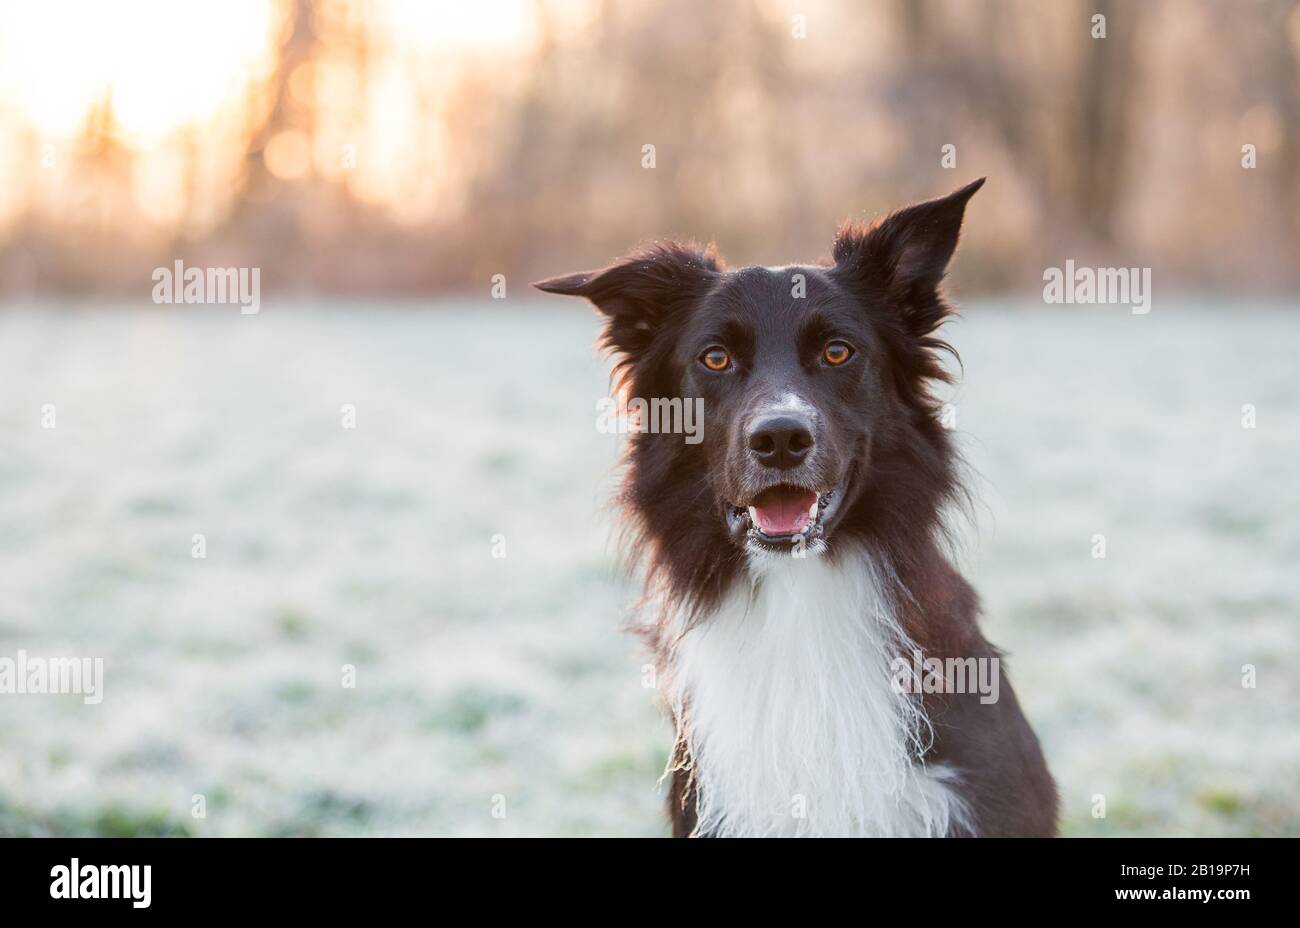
(480, 677)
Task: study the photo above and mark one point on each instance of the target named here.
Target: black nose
(781, 441)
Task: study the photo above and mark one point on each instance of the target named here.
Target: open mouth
(782, 511)
(784, 514)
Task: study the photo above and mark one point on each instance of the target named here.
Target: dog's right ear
(640, 293)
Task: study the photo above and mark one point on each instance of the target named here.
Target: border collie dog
(794, 555)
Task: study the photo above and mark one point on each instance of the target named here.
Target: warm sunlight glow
(193, 94)
(164, 64)
(161, 64)
(479, 24)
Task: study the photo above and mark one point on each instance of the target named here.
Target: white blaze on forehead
(790, 402)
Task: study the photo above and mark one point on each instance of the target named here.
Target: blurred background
(410, 147)
(381, 162)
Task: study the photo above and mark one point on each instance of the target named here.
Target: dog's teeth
(812, 510)
(753, 515)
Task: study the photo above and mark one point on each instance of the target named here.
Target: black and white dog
(794, 556)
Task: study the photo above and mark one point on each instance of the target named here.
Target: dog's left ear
(907, 253)
(638, 294)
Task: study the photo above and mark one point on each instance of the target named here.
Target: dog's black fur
(869, 440)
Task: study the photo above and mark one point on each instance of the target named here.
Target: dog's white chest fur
(785, 699)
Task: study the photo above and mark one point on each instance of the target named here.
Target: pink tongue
(783, 510)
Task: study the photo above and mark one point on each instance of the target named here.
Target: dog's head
(814, 380)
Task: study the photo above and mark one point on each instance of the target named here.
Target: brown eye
(836, 353)
(716, 359)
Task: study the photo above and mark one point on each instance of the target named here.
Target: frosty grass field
(481, 677)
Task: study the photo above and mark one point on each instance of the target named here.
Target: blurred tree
(766, 133)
